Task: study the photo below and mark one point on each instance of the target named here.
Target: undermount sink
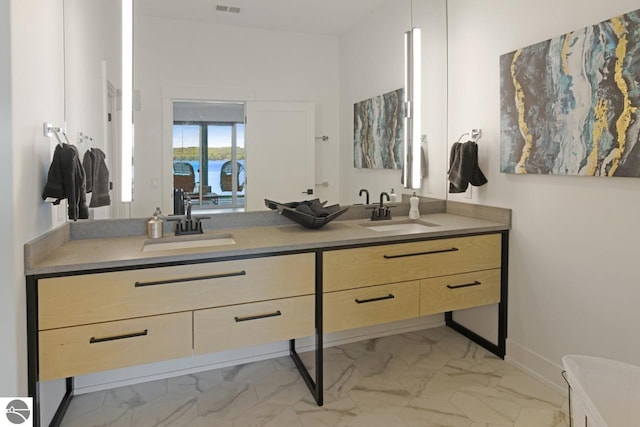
(182, 242)
(402, 226)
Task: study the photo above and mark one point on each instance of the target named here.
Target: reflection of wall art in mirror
(378, 130)
(568, 104)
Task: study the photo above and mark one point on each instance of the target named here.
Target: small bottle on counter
(154, 225)
(393, 197)
(414, 212)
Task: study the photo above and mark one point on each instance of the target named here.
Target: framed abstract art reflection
(378, 131)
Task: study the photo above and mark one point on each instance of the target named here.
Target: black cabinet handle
(191, 279)
(94, 340)
(421, 253)
(465, 285)
(364, 301)
(259, 316)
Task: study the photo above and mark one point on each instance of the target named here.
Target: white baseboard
(536, 365)
(189, 365)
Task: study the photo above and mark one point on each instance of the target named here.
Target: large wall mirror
(284, 62)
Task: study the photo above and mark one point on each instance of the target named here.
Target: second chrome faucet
(187, 224)
(365, 191)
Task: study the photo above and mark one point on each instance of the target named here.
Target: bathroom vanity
(101, 303)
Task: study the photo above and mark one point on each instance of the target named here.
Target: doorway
(208, 154)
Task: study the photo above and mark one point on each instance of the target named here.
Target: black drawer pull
(364, 301)
(465, 285)
(191, 279)
(259, 316)
(94, 340)
(421, 253)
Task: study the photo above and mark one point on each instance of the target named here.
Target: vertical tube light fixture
(127, 102)
(412, 108)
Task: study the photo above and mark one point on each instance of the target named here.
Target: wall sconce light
(412, 108)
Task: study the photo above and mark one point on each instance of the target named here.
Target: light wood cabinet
(370, 305)
(91, 298)
(78, 350)
(244, 325)
(407, 280)
(376, 265)
(94, 322)
(459, 291)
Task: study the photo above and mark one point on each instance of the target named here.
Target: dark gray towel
(97, 177)
(464, 168)
(66, 180)
(312, 207)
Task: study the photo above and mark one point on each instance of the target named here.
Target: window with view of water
(209, 163)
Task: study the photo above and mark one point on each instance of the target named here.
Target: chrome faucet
(187, 207)
(364, 190)
(381, 212)
(187, 224)
(382, 196)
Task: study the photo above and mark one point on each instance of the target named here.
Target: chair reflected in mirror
(184, 177)
(226, 176)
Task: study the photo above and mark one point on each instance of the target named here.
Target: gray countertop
(72, 255)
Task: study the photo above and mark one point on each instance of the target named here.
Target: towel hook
(84, 138)
(60, 131)
(50, 130)
(474, 135)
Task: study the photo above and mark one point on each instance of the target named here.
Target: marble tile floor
(434, 377)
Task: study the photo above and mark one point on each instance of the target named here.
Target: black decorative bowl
(304, 219)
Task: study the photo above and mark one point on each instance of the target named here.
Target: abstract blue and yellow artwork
(570, 105)
(378, 131)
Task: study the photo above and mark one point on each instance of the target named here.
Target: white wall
(171, 55)
(8, 292)
(372, 63)
(37, 94)
(573, 287)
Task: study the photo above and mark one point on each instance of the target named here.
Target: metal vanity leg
(64, 405)
(32, 347)
(33, 360)
(316, 387)
(500, 349)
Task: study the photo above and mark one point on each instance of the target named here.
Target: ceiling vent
(230, 9)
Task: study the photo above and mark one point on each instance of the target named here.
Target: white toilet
(604, 392)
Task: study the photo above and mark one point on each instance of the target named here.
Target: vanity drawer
(84, 349)
(459, 291)
(243, 325)
(373, 265)
(372, 305)
(93, 298)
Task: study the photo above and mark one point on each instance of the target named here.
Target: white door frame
(171, 94)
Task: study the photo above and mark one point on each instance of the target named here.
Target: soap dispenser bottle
(414, 213)
(393, 197)
(154, 225)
